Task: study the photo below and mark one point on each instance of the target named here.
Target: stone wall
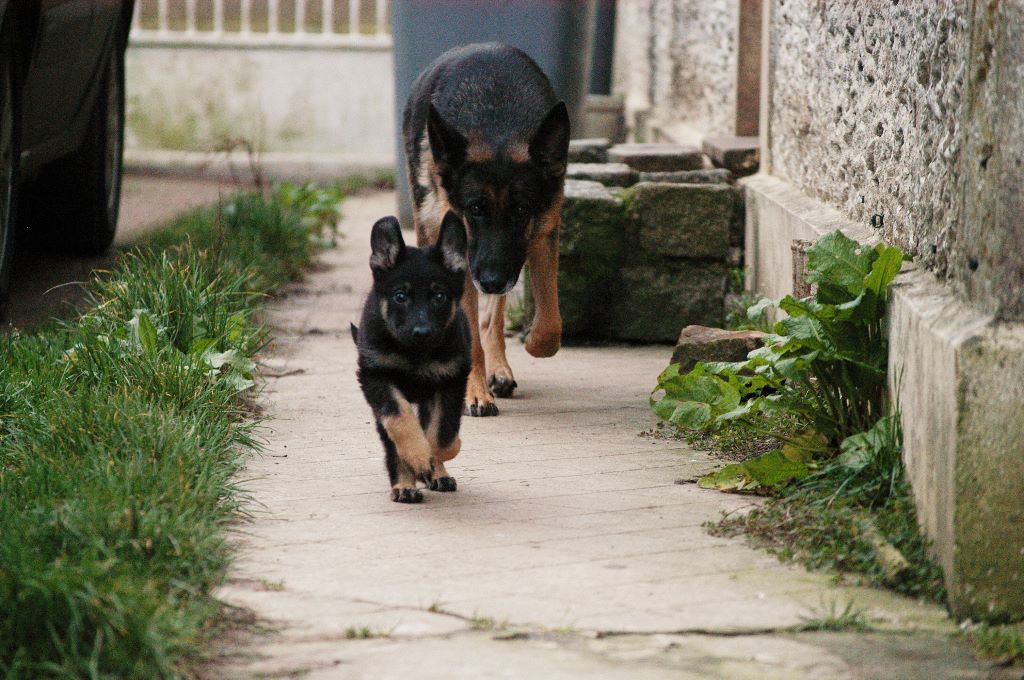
(886, 111)
(675, 65)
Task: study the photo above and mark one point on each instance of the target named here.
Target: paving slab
(568, 551)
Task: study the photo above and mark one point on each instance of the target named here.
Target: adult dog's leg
(545, 335)
(492, 337)
(479, 399)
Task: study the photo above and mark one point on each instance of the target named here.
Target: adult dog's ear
(446, 143)
(386, 243)
(550, 144)
(451, 244)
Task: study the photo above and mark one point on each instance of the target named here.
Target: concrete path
(568, 551)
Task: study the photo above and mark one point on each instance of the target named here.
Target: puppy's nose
(491, 282)
(420, 332)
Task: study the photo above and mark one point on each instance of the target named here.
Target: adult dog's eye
(439, 297)
(400, 297)
(476, 208)
(522, 211)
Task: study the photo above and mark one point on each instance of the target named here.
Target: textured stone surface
(588, 150)
(609, 174)
(657, 157)
(655, 302)
(703, 343)
(592, 219)
(590, 251)
(886, 108)
(682, 220)
(741, 155)
(676, 63)
(715, 176)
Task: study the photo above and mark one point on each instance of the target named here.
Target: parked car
(61, 123)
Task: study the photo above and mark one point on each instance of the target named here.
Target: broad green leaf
(730, 478)
(218, 359)
(691, 414)
(883, 270)
(775, 469)
(804, 447)
(200, 346)
(238, 382)
(757, 310)
(837, 259)
(146, 332)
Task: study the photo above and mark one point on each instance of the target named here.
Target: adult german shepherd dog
(487, 138)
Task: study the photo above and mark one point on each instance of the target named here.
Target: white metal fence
(279, 23)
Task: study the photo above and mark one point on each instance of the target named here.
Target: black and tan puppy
(486, 137)
(413, 345)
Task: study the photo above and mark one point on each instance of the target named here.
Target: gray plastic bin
(557, 34)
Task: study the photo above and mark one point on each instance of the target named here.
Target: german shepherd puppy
(487, 138)
(413, 345)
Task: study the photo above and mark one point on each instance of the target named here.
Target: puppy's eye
(439, 297)
(522, 211)
(400, 297)
(476, 208)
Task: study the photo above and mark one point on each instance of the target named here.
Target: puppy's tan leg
(492, 337)
(479, 400)
(414, 450)
(442, 481)
(404, 490)
(545, 336)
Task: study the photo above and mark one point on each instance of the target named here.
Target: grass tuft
(120, 434)
(833, 619)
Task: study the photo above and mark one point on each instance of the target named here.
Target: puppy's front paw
(443, 484)
(406, 495)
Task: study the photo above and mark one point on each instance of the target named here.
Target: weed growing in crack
(364, 633)
(831, 618)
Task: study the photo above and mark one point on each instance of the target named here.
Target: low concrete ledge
(959, 378)
(237, 165)
(960, 381)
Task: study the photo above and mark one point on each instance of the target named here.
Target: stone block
(740, 155)
(589, 150)
(691, 221)
(703, 343)
(653, 303)
(582, 300)
(714, 176)
(608, 174)
(657, 157)
(592, 218)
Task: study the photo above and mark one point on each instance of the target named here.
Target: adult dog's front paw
(501, 382)
(406, 495)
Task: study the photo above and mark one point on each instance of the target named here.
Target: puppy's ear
(451, 244)
(446, 143)
(550, 144)
(386, 243)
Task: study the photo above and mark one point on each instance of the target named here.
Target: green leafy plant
(824, 365)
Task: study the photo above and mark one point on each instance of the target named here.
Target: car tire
(9, 157)
(73, 205)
